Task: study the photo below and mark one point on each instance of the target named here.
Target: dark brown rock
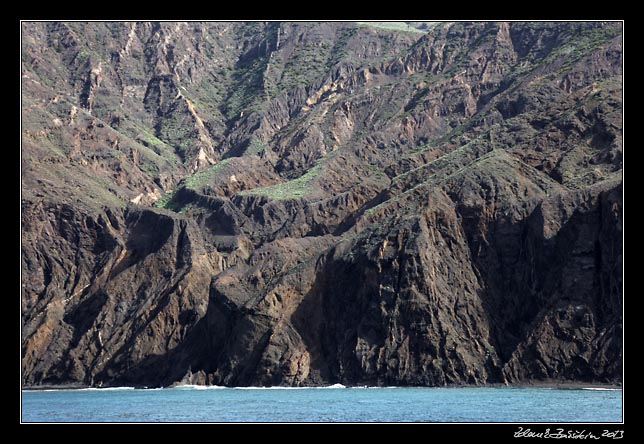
(316, 203)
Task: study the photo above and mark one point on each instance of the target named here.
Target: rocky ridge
(315, 203)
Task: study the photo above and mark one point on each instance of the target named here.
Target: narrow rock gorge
(310, 203)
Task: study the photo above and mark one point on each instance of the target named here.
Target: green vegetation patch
(397, 26)
(293, 189)
(247, 88)
(307, 63)
(208, 94)
(177, 131)
(144, 136)
(255, 146)
(578, 43)
(204, 177)
(339, 51)
(192, 182)
(166, 201)
(91, 189)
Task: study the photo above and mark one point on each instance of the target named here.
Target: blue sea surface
(326, 404)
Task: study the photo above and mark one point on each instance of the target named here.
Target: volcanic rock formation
(315, 203)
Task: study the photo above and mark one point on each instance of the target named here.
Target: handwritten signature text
(568, 434)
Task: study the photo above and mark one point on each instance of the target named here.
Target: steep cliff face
(314, 203)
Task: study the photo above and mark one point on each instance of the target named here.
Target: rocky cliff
(315, 203)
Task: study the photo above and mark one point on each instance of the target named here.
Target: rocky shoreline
(568, 385)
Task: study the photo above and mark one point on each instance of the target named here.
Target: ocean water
(326, 404)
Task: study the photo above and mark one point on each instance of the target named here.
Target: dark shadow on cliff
(313, 324)
(528, 279)
(211, 353)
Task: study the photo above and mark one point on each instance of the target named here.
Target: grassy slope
(246, 87)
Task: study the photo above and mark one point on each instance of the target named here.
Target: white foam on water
(106, 389)
(84, 389)
(197, 387)
(219, 387)
(278, 387)
(333, 386)
(602, 389)
(42, 390)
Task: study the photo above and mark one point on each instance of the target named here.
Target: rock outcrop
(316, 203)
